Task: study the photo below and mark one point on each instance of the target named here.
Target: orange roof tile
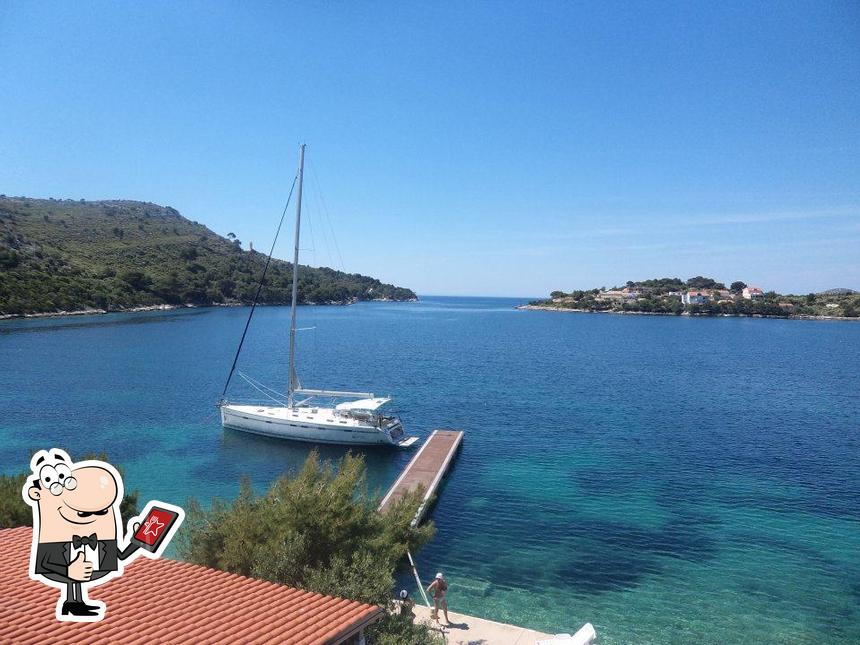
(163, 600)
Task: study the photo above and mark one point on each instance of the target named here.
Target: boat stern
(394, 432)
(406, 442)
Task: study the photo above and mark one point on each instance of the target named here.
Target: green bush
(15, 512)
(317, 530)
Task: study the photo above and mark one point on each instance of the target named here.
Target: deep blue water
(671, 480)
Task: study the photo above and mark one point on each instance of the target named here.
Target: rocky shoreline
(686, 313)
(93, 312)
(132, 310)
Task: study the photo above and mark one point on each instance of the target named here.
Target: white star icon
(152, 527)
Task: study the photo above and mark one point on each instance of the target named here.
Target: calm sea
(671, 480)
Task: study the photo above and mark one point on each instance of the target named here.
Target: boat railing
(253, 401)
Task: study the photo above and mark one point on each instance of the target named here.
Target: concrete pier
(468, 630)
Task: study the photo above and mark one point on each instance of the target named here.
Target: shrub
(14, 512)
(318, 530)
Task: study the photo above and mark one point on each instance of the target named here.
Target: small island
(701, 296)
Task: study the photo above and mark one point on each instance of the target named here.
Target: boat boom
(358, 395)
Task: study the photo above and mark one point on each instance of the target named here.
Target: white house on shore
(752, 293)
(696, 297)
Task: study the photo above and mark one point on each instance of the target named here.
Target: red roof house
(752, 293)
(696, 297)
(167, 601)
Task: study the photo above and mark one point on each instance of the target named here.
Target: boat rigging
(352, 418)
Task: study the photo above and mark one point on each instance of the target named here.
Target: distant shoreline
(660, 313)
(94, 312)
(145, 308)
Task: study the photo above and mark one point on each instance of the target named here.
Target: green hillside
(65, 255)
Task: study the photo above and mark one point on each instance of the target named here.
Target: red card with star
(154, 528)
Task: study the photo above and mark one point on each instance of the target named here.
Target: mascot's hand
(80, 568)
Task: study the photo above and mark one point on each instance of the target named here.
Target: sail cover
(362, 404)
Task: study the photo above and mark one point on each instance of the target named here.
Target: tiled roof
(157, 601)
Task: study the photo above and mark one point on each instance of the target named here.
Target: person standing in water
(439, 587)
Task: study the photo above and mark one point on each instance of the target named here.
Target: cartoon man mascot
(77, 532)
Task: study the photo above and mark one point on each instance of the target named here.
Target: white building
(752, 293)
(696, 297)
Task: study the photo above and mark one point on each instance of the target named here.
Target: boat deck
(426, 470)
(299, 414)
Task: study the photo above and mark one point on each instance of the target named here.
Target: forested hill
(65, 255)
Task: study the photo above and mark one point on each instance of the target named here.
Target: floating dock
(427, 468)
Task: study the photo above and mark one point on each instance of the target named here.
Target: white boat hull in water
(314, 425)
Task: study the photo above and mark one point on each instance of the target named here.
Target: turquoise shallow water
(669, 480)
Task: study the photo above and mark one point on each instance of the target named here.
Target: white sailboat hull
(313, 425)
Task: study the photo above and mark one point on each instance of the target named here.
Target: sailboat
(355, 420)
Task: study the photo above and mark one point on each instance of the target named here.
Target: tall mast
(294, 380)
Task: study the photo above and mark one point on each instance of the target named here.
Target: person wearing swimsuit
(439, 587)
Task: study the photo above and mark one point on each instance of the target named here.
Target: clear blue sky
(492, 148)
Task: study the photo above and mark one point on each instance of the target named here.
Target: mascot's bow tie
(90, 541)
